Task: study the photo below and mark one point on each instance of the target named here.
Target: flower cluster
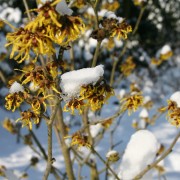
(133, 101)
(128, 66)
(28, 118)
(112, 27)
(93, 96)
(42, 77)
(173, 115)
(39, 34)
(80, 140)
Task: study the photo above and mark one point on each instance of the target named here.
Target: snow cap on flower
(63, 9)
(16, 87)
(71, 82)
(165, 49)
(112, 156)
(176, 98)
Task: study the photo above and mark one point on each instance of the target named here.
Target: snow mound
(16, 87)
(176, 98)
(140, 152)
(72, 81)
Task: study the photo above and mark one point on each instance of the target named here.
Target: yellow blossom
(74, 104)
(132, 102)
(80, 140)
(14, 100)
(28, 118)
(166, 56)
(9, 126)
(24, 41)
(72, 27)
(111, 6)
(120, 30)
(106, 124)
(128, 66)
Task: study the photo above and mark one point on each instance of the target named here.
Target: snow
(165, 49)
(63, 9)
(72, 81)
(144, 113)
(176, 98)
(109, 14)
(110, 153)
(11, 14)
(16, 87)
(140, 152)
(95, 129)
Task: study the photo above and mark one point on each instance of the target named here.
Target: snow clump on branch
(140, 152)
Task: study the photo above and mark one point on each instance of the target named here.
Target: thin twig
(27, 9)
(107, 165)
(166, 153)
(96, 54)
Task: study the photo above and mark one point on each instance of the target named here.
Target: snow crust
(16, 87)
(72, 81)
(140, 152)
(165, 49)
(63, 9)
(176, 98)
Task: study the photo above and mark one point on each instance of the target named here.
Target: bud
(112, 156)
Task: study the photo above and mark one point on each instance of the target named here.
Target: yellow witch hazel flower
(128, 66)
(9, 125)
(28, 118)
(49, 26)
(24, 41)
(72, 27)
(85, 88)
(132, 102)
(115, 26)
(15, 97)
(163, 55)
(80, 140)
(173, 108)
(42, 77)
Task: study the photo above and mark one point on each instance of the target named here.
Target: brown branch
(49, 158)
(166, 153)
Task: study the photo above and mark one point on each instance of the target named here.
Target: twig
(38, 144)
(72, 57)
(96, 54)
(166, 153)
(107, 165)
(27, 9)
